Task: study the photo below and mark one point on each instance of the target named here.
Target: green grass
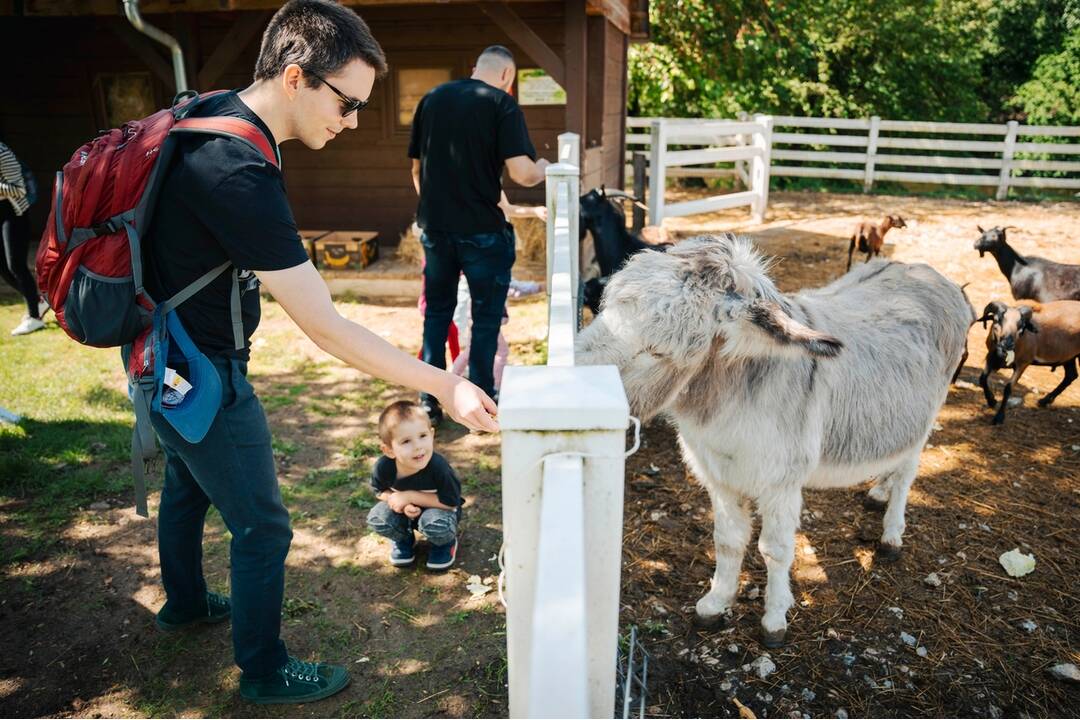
(72, 446)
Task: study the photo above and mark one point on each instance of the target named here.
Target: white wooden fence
(563, 464)
(730, 141)
(874, 150)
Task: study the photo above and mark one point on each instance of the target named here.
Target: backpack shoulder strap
(231, 127)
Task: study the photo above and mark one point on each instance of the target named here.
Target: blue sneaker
(442, 556)
(402, 553)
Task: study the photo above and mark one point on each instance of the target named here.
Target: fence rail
(563, 438)
(872, 150)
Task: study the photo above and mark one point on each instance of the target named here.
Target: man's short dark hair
(496, 52)
(320, 36)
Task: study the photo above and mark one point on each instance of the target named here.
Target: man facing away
(463, 134)
(221, 200)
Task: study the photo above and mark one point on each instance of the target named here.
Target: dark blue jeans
(486, 260)
(232, 468)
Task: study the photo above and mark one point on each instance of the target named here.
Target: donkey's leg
(779, 521)
(731, 533)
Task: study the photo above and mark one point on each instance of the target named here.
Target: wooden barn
(76, 66)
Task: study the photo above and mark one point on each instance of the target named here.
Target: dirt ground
(76, 621)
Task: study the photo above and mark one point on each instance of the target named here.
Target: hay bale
(409, 248)
(531, 236)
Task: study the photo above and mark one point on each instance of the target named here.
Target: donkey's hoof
(710, 622)
(870, 502)
(887, 552)
(773, 638)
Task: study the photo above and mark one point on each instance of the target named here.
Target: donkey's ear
(771, 319)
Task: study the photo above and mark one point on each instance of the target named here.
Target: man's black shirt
(437, 476)
(462, 133)
(220, 200)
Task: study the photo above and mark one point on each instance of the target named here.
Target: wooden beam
(149, 7)
(526, 38)
(146, 50)
(236, 40)
(639, 21)
(574, 58)
(616, 11)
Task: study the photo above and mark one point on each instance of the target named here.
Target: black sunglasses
(348, 105)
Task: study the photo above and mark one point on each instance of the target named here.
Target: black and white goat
(1030, 277)
(602, 215)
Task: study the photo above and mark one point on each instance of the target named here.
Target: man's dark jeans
(233, 469)
(486, 260)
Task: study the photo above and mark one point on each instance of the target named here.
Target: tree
(1017, 33)
(896, 58)
(1052, 95)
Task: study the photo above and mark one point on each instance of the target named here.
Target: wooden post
(741, 173)
(640, 163)
(871, 152)
(657, 171)
(575, 64)
(760, 167)
(1006, 160)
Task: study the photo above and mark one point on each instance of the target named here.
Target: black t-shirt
(437, 477)
(462, 133)
(220, 200)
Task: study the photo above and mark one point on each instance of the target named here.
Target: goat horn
(622, 194)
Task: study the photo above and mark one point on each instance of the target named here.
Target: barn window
(412, 85)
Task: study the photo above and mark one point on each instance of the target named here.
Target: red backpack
(90, 261)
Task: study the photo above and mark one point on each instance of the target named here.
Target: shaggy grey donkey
(772, 393)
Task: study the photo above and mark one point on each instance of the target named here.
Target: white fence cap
(539, 397)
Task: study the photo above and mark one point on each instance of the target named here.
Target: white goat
(774, 393)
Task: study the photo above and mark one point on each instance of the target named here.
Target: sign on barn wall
(536, 87)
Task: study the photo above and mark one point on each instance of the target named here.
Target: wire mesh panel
(631, 676)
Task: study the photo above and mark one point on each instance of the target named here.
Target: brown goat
(1045, 334)
(869, 237)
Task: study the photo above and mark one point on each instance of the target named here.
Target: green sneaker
(217, 610)
(296, 682)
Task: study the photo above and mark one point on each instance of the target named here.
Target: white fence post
(871, 151)
(759, 174)
(740, 140)
(1007, 159)
(563, 437)
(570, 149)
(545, 411)
(657, 171)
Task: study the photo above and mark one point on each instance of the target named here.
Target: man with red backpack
(221, 203)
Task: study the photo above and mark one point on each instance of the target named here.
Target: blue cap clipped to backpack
(195, 413)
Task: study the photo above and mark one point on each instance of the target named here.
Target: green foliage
(1052, 95)
(952, 60)
(1016, 33)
